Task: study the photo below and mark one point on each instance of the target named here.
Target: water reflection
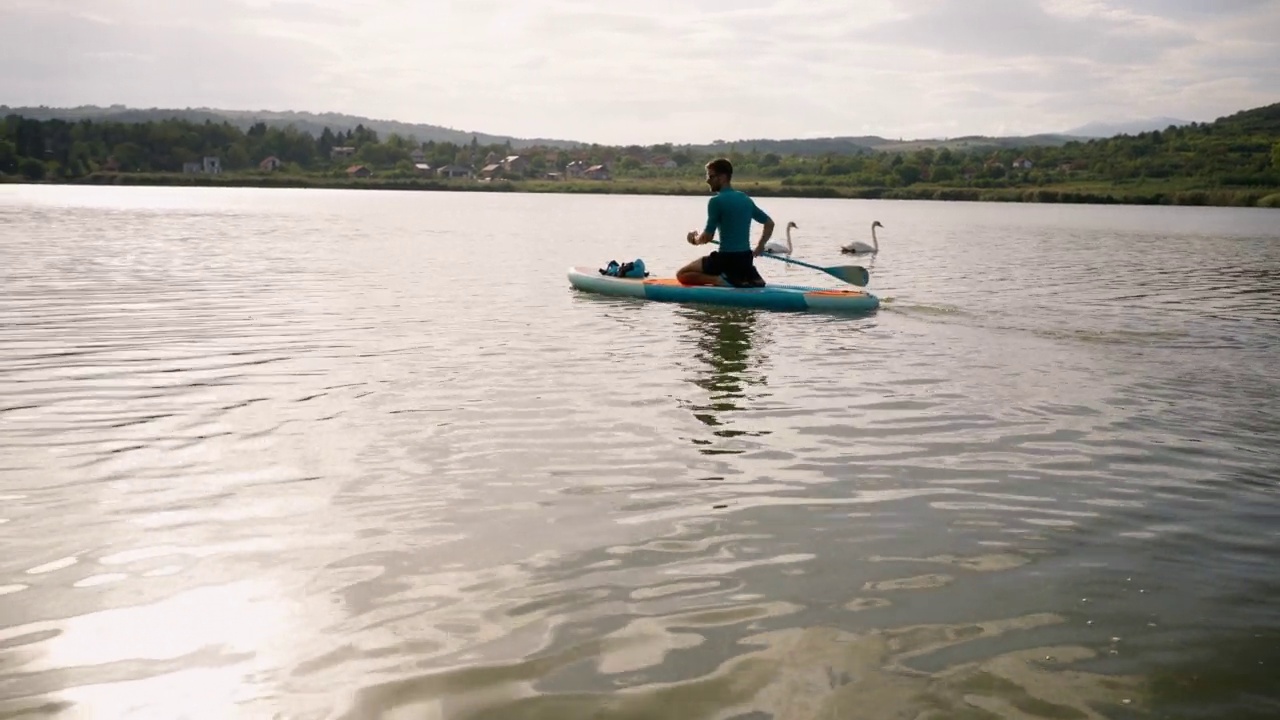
(724, 338)
(259, 479)
(792, 673)
(198, 653)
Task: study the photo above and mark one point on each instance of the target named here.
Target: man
(731, 212)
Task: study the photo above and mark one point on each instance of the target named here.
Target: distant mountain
(863, 144)
(791, 146)
(314, 123)
(977, 142)
(1126, 127)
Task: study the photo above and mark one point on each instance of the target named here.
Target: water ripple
(343, 454)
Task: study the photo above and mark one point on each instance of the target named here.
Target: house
(491, 170)
(111, 165)
(597, 172)
(270, 164)
(422, 168)
(342, 151)
(453, 171)
(1022, 163)
(575, 168)
(418, 156)
(515, 164)
(491, 158)
(208, 165)
(359, 171)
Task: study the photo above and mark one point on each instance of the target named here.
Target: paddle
(852, 274)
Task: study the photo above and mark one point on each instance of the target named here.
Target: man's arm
(763, 218)
(713, 222)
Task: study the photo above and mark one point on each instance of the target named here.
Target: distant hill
(1263, 121)
(864, 144)
(793, 146)
(314, 123)
(1234, 160)
(1127, 127)
(978, 142)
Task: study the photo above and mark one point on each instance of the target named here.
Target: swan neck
(873, 238)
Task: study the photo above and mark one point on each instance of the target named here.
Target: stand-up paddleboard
(771, 297)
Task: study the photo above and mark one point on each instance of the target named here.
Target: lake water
(365, 454)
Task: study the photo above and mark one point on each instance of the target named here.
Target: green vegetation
(313, 123)
(1232, 161)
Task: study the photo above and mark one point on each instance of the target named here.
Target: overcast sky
(658, 70)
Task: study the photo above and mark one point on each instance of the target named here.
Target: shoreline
(1083, 193)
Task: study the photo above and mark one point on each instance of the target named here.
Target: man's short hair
(721, 166)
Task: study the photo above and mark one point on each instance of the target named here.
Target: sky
(658, 70)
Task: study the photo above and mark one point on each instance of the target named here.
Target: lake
(365, 454)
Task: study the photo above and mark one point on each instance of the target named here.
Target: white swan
(860, 248)
(776, 247)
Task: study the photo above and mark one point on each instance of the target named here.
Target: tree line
(1241, 150)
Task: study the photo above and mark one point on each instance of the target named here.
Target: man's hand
(759, 250)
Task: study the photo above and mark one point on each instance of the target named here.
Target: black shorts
(738, 268)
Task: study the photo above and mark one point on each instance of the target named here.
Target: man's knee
(697, 264)
(695, 267)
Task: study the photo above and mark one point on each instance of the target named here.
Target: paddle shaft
(840, 272)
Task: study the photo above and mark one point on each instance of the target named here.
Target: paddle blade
(852, 274)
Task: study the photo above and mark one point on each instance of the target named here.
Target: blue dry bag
(625, 270)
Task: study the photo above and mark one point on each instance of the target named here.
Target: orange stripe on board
(663, 281)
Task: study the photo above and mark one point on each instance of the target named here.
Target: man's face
(715, 181)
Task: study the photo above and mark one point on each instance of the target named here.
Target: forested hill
(864, 144)
(1239, 152)
(1258, 122)
(313, 123)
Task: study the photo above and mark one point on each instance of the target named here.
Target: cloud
(1018, 29)
(662, 70)
(125, 52)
